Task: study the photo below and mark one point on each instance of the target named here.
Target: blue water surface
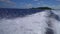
(11, 13)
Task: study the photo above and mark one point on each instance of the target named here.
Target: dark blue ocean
(11, 13)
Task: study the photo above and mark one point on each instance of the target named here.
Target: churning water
(36, 22)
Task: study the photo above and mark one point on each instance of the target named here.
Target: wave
(45, 22)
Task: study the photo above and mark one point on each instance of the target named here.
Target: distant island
(39, 8)
(43, 8)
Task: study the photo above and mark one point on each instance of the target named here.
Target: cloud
(38, 3)
(57, 7)
(57, 0)
(8, 2)
(36, 0)
(4, 0)
(52, 6)
(26, 5)
(29, 5)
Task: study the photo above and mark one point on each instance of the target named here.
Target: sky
(29, 3)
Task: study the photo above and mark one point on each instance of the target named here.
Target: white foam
(31, 24)
(56, 23)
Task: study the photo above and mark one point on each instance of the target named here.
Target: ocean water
(29, 21)
(17, 12)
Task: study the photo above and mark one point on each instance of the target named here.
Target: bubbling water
(30, 24)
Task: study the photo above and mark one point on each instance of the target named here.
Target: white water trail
(56, 23)
(31, 24)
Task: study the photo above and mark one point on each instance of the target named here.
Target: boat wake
(45, 22)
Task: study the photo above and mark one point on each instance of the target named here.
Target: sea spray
(31, 24)
(56, 22)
